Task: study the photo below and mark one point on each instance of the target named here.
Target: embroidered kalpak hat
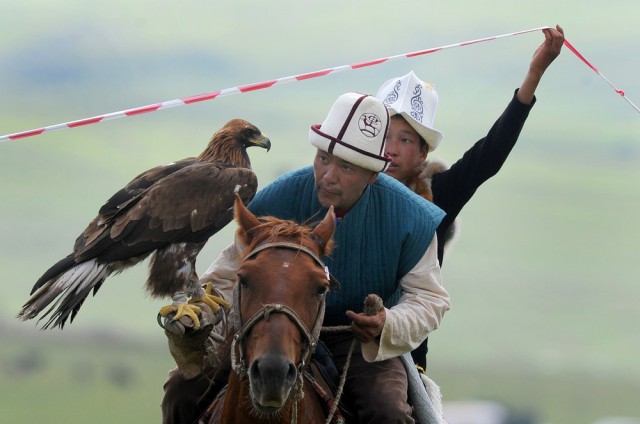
(416, 101)
(355, 130)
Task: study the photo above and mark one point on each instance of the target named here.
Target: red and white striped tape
(267, 84)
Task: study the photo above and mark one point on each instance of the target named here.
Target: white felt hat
(355, 130)
(416, 101)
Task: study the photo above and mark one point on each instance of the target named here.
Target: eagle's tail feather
(59, 267)
(65, 293)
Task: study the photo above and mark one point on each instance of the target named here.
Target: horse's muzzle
(271, 378)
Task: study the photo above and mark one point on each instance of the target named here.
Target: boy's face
(338, 182)
(406, 148)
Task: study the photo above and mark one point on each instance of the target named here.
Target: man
(412, 105)
(384, 244)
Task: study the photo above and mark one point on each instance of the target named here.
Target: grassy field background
(544, 275)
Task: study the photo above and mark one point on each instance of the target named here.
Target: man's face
(338, 182)
(406, 149)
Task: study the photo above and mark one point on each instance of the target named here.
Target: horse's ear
(323, 233)
(245, 219)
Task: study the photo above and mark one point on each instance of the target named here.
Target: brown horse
(280, 296)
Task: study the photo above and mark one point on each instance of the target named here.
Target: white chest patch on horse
(285, 264)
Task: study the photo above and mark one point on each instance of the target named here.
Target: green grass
(106, 378)
(99, 379)
(549, 396)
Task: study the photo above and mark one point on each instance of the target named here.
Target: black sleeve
(453, 188)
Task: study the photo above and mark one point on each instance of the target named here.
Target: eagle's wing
(141, 183)
(124, 198)
(189, 205)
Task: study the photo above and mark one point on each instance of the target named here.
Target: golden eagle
(170, 211)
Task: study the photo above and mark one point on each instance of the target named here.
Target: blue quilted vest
(377, 242)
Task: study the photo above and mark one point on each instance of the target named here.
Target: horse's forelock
(273, 229)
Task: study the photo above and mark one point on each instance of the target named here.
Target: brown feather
(222, 147)
(170, 210)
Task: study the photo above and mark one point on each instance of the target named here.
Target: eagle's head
(229, 144)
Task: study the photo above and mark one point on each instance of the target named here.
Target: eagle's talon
(213, 301)
(183, 309)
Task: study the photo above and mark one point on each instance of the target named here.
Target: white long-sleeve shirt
(419, 311)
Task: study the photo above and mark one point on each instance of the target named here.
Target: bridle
(238, 363)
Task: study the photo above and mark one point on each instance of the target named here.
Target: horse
(279, 302)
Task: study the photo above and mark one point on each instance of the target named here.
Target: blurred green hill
(543, 277)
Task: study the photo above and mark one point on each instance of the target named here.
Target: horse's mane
(273, 229)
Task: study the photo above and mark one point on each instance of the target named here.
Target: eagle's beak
(263, 142)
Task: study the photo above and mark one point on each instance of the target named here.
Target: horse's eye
(322, 291)
(244, 283)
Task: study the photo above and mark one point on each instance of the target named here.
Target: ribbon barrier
(295, 78)
(582, 58)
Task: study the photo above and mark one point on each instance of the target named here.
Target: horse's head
(282, 285)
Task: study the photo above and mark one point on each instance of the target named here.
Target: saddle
(326, 380)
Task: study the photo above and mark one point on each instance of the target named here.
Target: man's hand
(548, 50)
(367, 326)
(542, 58)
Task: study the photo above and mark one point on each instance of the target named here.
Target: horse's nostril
(273, 371)
(271, 378)
(292, 374)
(254, 371)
